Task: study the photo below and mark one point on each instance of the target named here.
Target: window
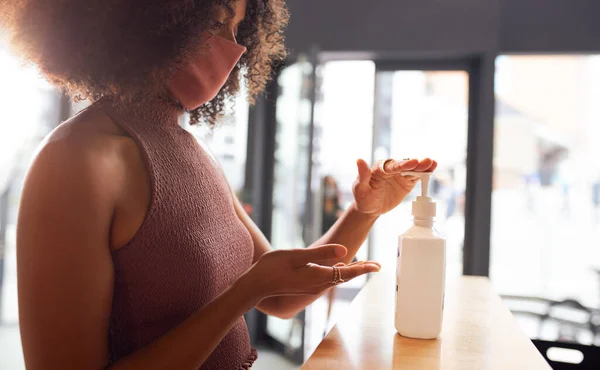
(28, 111)
(546, 191)
(228, 140)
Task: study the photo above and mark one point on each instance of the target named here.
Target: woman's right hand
(297, 271)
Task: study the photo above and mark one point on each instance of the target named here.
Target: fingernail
(377, 267)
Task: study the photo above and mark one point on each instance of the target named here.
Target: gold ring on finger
(337, 276)
(382, 165)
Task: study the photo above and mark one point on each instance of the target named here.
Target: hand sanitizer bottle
(420, 271)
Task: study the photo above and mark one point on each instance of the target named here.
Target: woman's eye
(217, 25)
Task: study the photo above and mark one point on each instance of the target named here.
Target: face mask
(201, 81)
(330, 192)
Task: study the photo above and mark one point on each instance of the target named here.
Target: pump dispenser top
(423, 208)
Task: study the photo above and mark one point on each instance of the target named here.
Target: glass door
(343, 126)
(291, 212)
(423, 113)
(332, 113)
(318, 141)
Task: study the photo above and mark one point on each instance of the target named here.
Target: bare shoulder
(89, 136)
(89, 148)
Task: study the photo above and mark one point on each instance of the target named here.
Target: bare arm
(65, 271)
(350, 230)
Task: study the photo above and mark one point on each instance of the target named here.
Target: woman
(332, 210)
(133, 252)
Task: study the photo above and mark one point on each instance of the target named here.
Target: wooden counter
(479, 333)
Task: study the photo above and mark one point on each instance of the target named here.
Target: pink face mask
(201, 81)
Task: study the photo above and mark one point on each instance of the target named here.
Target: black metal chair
(591, 355)
(568, 332)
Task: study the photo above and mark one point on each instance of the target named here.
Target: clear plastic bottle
(420, 271)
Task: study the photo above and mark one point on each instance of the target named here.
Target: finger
(339, 264)
(363, 262)
(301, 257)
(318, 275)
(424, 165)
(323, 275)
(432, 167)
(364, 172)
(374, 263)
(356, 263)
(401, 166)
(350, 272)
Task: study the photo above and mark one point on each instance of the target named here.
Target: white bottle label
(420, 287)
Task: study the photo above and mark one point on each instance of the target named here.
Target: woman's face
(330, 182)
(226, 26)
(201, 80)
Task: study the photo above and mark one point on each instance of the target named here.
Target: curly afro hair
(128, 49)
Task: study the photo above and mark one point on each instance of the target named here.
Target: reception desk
(478, 333)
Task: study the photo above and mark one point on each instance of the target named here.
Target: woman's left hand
(377, 192)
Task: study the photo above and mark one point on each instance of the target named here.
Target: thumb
(364, 172)
(324, 252)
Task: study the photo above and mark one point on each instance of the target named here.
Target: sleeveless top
(190, 247)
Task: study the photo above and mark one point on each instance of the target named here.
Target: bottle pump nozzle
(424, 207)
(424, 177)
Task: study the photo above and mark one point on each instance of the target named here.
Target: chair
(590, 361)
(564, 313)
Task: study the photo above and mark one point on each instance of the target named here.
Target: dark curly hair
(128, 49)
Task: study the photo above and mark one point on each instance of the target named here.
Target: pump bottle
(420, 271)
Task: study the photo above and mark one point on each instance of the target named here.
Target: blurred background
(503, 94)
